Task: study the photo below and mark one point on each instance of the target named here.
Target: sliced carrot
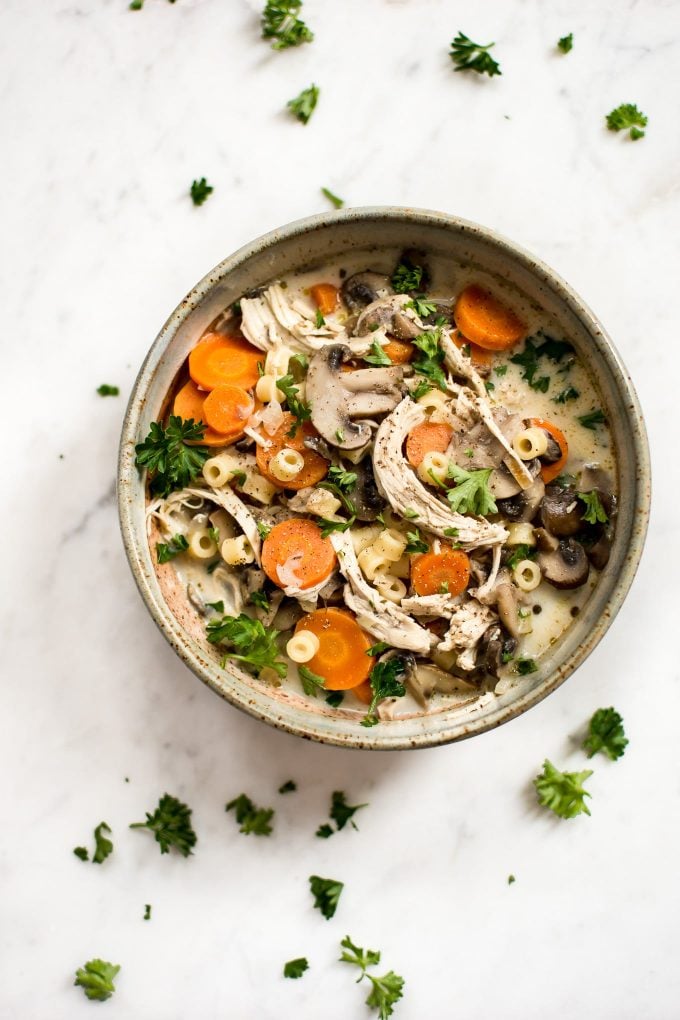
(188, 404)
(315, 467)
(478, 356)
(398, 351)
(551, 471)
(364, 692)
(227, 409)
(429, 437)
(218, 359)
(341, 659)
(446, 571)
(326, 297)
(297, 537)
(486, 321)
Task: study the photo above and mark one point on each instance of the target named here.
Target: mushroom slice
(230, 502)
(408, 496)
(567, 567)
(492, 648)
(363, 289)
(426, 680)
(561, 512)
(524, 505)
(391, 315)
(365, 496)
(380, 617)
(336, 396)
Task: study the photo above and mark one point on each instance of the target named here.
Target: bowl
(311, 241)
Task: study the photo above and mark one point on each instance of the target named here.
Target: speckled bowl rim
(269, 710)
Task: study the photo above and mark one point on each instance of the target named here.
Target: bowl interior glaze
(310, 242)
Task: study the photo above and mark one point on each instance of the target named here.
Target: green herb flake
(295, 968)
(566, 43)
(281, 24)
(407, 277)
(489, 386)
(167, 551)
(300, 409)
(251, 819)
(217, 606)
(471, 56)
(386, 682)
(107, 391)
(303, 106)
(592, 419)
(411, 515)
(595, 512)
(324, 831)
(290, 786)
(421, 306)
(326, 893)
(567, 394)
(421, 389)
(519, 553)
(147, 912)
(511, 879)
(263, 529)
(526, 666)
(431, 359)
(335, 699)
(171, 463)
(377, 355)
(200, 191)
(415, 543)
(606, 734)
(386, 990)
(336, 202)
(81, 853)
(311, 682)
(102, 846)
(562, 792)
(501, 369)
(625, 117)
(451, 532)
(253, 644)
(345, 480)
(378, 648)
(341, 812)
(171, 825)
(96, 979)
(471, 494)
(320, 321)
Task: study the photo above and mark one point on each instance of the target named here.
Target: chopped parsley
(290, 786)
(386, 682)
(164, 453)
(407, 277)
(345, 480)
(258, 599)
(411, 515)
(295, 968)
(340, 435)
(328, 527)
(280, 22)
(592, 419)
(320, 321)
(386, 990)
(567, 394)
(326, 893)
(324, 831)
(489, 386)
(525, 666)
(627, 116)
(595, 512)
(562, 792)
(336, 202)
(378, 648)
(299, 359)
(300, 409)
(429, 362)
(107, 391)
(167, 551)
(421, 306)
(311, 682)
(511, 879)
(377, 355)
(147, 912)
(500, 369)
(519, 553)
(451, 532)
(251, 819)
(528, 359)
(335, 699)
(102, 846)
(200, 190)
(253, 644)
(421, 389)
(472, 56)
(81, 853)
(341, 812)
(415, 543)
(171, 825)
(606, 734)
(566, 43)
(263, 529)
(303, 106)
(471, 494)
(96, 979)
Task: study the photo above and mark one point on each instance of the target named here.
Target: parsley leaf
(335, 699)
(326, 893)
(421, 389)
(606, 734)
(592, 419)
(324, 831)
(595, 512)
(471, 494)
(562, 792)
(336, 202)
(253, 643)
(280, 22)
(171, 825)
(82, 853)
(377, 355)
(200, 191)
(328, 527)
(303, 106)
(320, 321)
(500, 369)
(566, 43)
(251, 819)
(96, 979)
(432, 359)
(407, 277)
(258, 599)
(295, 968)
(511, 879)
(472, 56)
(421, 306)
(290, 786)
(519, 553)
(627, 116)
(415, 543)
(102, 846)
(341, 812)
(385, 683)
(345, 480)
(361, 958)
(378, 648)
(164, 453)
(568, 393)
(263, 529)
(528, 359)
(300, 409)
(526, 666)
(311, 682)
(386, 990)
(147, 912)
(167, 551)
(107, 391)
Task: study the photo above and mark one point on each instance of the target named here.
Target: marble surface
(107, 117)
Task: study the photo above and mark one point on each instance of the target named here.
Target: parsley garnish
(107, 391)
(421, 306)
(295, 968)
(303, 106)
(96, 979)
(406, 277)
(385, 683)
(627, 116)
(217, 606)
(568, 393)
(341, 812)
(451, 532)
(147, 912)
(592, 419)
(385, 990)
(500, 369)
(595, 512)
(311, 682)
(525, 666)
(519, 553)
(415, 543)
(378, 648)
(251, 819)
(299, 359)
(606, 734)
(102, 846)
(300, 409)
(171, 825)
(253, 643)
(472, 56)
(345, 480)
(336, 202)
(430, 364)
(489, 386)
(411, 515)
(320, 321)
(528, 359)
(511, 879)
(377, 355)
(328, 527)
(170, 462)
(471, 494)
(326, 893)
(290, 786)
(340, 435)
(200, 190)
(335, 699)
(263, 529)
(280, 22)
(421, 389)
(324, 831)
(82, 853)
(167, 551)
(562, 792)
(566, 43)
(259, 599)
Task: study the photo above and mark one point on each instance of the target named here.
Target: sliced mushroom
(598, 553)
(426, 680)
(561, 511)
(365, 496)
(478, 448)
(596, 479)
(553, 451)
(567, 567)
(545, 541)
(507, 603)
(494, 648)
(389, 314)
(363, 289)
(524, 505)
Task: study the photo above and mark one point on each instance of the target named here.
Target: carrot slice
(398, 351)
(478, 356)
(551, 471)
(227, 409)
(486, 321)
(341, 659)
(429, 437)
(326, 297)
(188, 404)
(446, 571)
(221, 359)
(315, 467)
(314, 556)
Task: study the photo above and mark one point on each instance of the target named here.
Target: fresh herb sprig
(407, 277)
(300, 409)
(171, 825)
(96, 979)
(415, 543)
(377, 355)
(251, 819)
(326, 893)
(171, 463)
(592, 419)
(471, 56)
(386, 682)
(253, 644)
(166, 551)
(562, 792)
(627, 117)
(431, 359)
(471, 494)
(304, 105)
(281, 24)
(386, 990)
(595, 513)
(606, 734)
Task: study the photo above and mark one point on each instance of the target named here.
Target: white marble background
(107, 115)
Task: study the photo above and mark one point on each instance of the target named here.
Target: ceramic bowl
(312, 241)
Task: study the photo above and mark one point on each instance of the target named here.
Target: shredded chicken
(230, 502)
(380, 617)
(484, 589)
(468, 622)
(406, 493)
(460, 365)
(430, 605)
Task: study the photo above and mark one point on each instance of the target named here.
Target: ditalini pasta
(388, 477)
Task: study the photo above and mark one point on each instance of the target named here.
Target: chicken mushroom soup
(388, 483)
